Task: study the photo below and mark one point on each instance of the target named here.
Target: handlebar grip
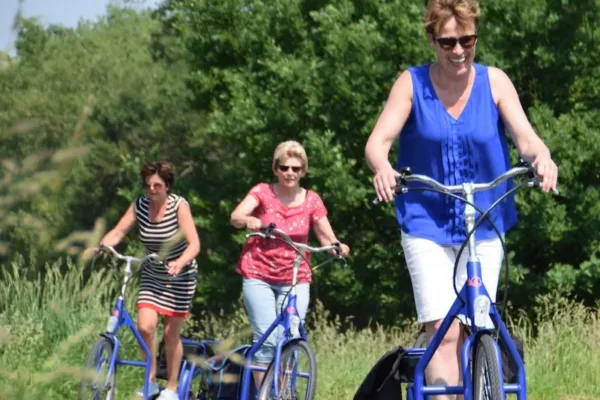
(153, 257)
(268, 228)
(102, 248)
(338, 249)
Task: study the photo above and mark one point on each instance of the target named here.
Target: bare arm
(242, 217)
(388, 127)
(324, 233)
(528, 143)
(187, 226)
(116, 235)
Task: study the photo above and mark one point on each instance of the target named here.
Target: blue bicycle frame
(474, 303)
(189, 369)
(123, 319)
(282, 319)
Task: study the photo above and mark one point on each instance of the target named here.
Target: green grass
(48, 324)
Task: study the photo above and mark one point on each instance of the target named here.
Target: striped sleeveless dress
(167, 294)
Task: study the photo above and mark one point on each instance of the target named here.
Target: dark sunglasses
(449, 43)
(284, 168)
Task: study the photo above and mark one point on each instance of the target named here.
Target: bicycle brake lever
(536, 183)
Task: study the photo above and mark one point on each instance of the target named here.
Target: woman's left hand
(547, 172)
(174, 268)
(344, 250)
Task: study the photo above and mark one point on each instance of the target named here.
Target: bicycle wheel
(487, 383)
(96, 371)
(297, 378)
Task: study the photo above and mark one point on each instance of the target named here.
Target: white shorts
(431, 268)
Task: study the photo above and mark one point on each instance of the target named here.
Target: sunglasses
(284, 168)
(449, 43)
(157, 186)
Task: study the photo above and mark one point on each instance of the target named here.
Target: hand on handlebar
(385, 183)
(253, 224)
(547, 172)
(343, 251)
(102, 248)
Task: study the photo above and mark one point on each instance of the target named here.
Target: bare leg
(174, 350)
(259, 375)
(147, 323)
(444, 367)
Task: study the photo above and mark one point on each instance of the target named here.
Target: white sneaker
(153, 390)
(168, 394)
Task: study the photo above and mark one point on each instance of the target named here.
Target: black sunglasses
(284, 168)
(449, 43)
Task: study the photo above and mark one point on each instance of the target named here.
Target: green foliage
(48, 323)
(546, 47)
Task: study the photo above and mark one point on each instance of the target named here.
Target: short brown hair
(164, 169)
(438, 12)
(288, 149)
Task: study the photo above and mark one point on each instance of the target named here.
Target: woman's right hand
(253, 224)
(385, 183)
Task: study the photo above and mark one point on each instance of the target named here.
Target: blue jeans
(263, 304)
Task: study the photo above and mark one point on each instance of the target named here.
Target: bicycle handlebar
(117, 255)
(406, 176)
(268, 233)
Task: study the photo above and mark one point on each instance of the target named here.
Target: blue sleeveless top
(472, 148)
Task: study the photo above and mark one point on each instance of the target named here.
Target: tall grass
(47, 325)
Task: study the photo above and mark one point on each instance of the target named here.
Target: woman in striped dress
(165, 227)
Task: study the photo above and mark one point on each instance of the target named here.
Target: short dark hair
(164, 169)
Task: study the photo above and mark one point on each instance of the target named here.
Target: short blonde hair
(288, 149)
(438, 12)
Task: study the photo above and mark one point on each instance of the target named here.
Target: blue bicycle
(481, 361)
(100, 367)
(289, 376)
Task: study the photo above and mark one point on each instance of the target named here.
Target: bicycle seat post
(470, 218)
(478, 303)
(127, 276)
(295, 269)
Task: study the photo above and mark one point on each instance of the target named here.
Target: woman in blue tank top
(451, 117)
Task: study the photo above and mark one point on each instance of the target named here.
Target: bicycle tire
(88, 386)
(485, 368)
(288, 349)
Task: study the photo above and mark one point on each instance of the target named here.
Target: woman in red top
(266, 265)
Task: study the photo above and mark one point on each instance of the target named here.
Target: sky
(64, 12)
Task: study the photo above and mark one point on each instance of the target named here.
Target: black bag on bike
(223, 379)
(383, 381)
(508, 366)
(202, 351)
